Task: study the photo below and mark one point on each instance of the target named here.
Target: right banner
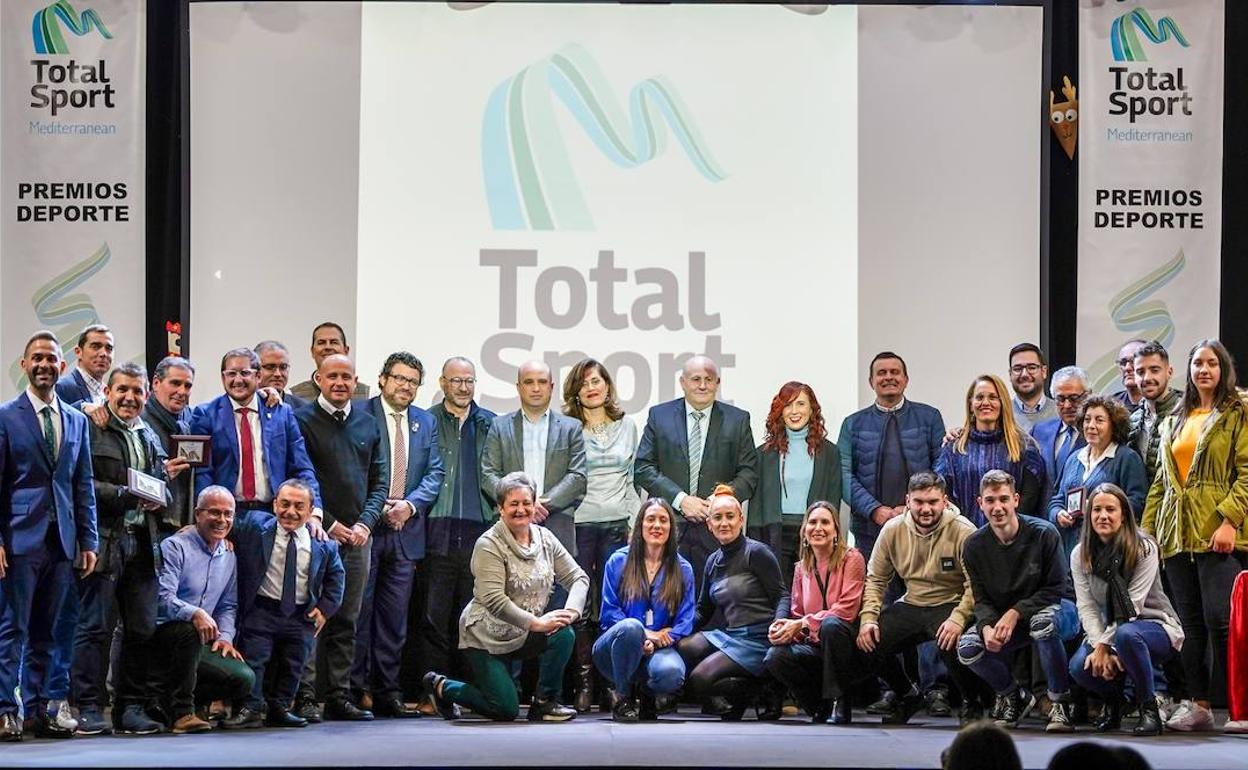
(1150, 176)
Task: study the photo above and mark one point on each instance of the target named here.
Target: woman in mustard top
(1195, 510)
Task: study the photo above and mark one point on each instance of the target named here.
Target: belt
(275, 606)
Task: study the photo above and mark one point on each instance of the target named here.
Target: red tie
(249, 455)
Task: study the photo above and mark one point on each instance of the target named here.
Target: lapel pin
(415, 427)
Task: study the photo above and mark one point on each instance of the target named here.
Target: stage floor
(681, 741)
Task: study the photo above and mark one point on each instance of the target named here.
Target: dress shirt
(1090, 465)
(194, 578)
(330, 409)
(271, 586)
(388, 437)
(39, 404)
(690, 421)
(94, 386)
(264, 491)
(886, 409)
(535, 435)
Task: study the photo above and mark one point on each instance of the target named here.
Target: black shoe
(309, 710)
(625, 709)
(280, 717)
(769, 707)
(716, 705)
(664, 704)
(92, 722)
(549, 710)
(584, 697)
(842, 712)
(903, 709)
(1059, 718)
(1079, 711)
(133, 720)
(1110, 718)
(46, 727)
(243, 719)
(1016, 707)
(433, 682)
(938, 703)
(1150, 719)
(734, 713)
(648, 708)
(884, 705)
(393, 707)
(344, 710)
(971, 711)
(819, 711)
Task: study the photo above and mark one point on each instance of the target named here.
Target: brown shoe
(426, 707)
(190, 724)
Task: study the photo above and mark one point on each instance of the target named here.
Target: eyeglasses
(1029, 368)
(218, 513)
(1076, 398)
(700, 380)
(461, 382)
(1124, 361)
(404, 380)
(275, 367)
(244, 373)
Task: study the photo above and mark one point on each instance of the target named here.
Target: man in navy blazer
(276, 449)
(285, 597)
(399, 539)
(1062, 436)
(670, 466)
(94, 353)
(47, 521)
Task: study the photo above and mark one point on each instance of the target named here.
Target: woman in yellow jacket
(1195, 510)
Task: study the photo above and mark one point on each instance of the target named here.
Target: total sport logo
(1150, 91)
(65, 85)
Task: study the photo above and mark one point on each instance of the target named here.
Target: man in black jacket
(168, 414)
(344, 445)
(131, 527)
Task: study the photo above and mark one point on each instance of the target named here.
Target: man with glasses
(1028, 372)
(409, 447)
(461, 513)
(275, 371)
(1130, 395)
(255, 447)
(1062, 436)
(328, 339)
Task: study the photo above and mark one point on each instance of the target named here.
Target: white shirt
(95, 386)
(271, 586)
(330, 408)
(263, 493)
(58, 430)
(535, 436)
(1088, 465)
(690, 421)
(390, 412)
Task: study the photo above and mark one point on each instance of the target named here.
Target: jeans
(1139, 645)
(1201, 584)
(618, 655)
(817, 672)
(1046, 631)
(491, 691)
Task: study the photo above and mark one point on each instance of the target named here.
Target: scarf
(1107, 564)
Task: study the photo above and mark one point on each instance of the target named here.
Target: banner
(1150, 180)
(72, 131)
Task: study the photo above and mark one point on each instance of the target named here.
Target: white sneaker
(1191, 717)
(1166, 706)
(1236, 727)
(64, 714)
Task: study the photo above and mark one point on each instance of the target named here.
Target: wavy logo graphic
(62, 310)
(1137, 316)
(47, 25)
(1124, 36)
(529, 180)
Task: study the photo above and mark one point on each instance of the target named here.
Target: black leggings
(1201, 585)
(711, 672)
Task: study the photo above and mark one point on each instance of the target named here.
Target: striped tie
(398, 477)
(695, 453)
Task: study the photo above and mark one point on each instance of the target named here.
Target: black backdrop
(168, 185)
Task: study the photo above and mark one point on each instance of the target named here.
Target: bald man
(546, 445)
(691, 444)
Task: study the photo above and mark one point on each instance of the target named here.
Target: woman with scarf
(1130, 624)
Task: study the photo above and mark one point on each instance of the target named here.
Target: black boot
(769, 705)
(1111, 716)
(584, 674)
(842, 711)
(1150, 719)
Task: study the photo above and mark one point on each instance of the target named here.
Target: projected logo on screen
(529, 180)
(48, 23)
(1124, 36)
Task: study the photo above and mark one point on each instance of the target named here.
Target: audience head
(1153, 370)
(726, 519)
(1104, 420)
(240, 369)
(515, 494)
(699, 379)
(988, 408)
(653, 529)
(1126, 363)
(821, 536)
(458, 382)
(94, 350)
(42, 362)
(1210, 376)
(1086, 754)
(329, 339)
(998, 499)
(793, 409)
(1109, 520)
(888, 377)
(401, 377)
(535, 384)
(214, 514)
(293, 504)
(1028, 370)
(126, 391)
(1070, 387)
(981, 745)
(171, 383)
(589, 386)
(335, 376)
(925, 499)
(274, 364)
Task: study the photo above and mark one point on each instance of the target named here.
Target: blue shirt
(194, 578)
(651, 611)
(533, 440)
(797, 470)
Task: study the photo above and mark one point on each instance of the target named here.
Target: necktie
(248, 453)
(340, 416)
(49, 433)
(292, 571)
(1062, 441)
(695, 453)
(398, 475)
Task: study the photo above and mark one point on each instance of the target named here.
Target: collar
(890, 409)
(330, 408)
(1037, 409)
(303, 538)
(132, 427)
(1166, 402)
(199, 540)
(690, 411)
(155, 411)
(545, 416)
(39, 403)
(390, 411)
(253, 404)
(1108, 454)
(94, 385)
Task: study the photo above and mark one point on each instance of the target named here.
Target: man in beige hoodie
(924, 548)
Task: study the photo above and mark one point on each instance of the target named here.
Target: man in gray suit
(690, 445)
(545, 445)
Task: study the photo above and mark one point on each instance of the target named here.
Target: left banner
(72, 126)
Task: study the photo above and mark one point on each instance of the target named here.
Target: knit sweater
(930, 565)
(986, 451)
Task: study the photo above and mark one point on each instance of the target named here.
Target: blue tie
(288, 579)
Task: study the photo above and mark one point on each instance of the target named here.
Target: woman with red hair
(798, 465)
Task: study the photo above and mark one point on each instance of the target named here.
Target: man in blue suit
(289, 584)
(255, 447)
(47, 522)
(94, 353)
(409, 447)
(1062, 436)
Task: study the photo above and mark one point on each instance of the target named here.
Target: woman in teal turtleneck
(797, 466)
